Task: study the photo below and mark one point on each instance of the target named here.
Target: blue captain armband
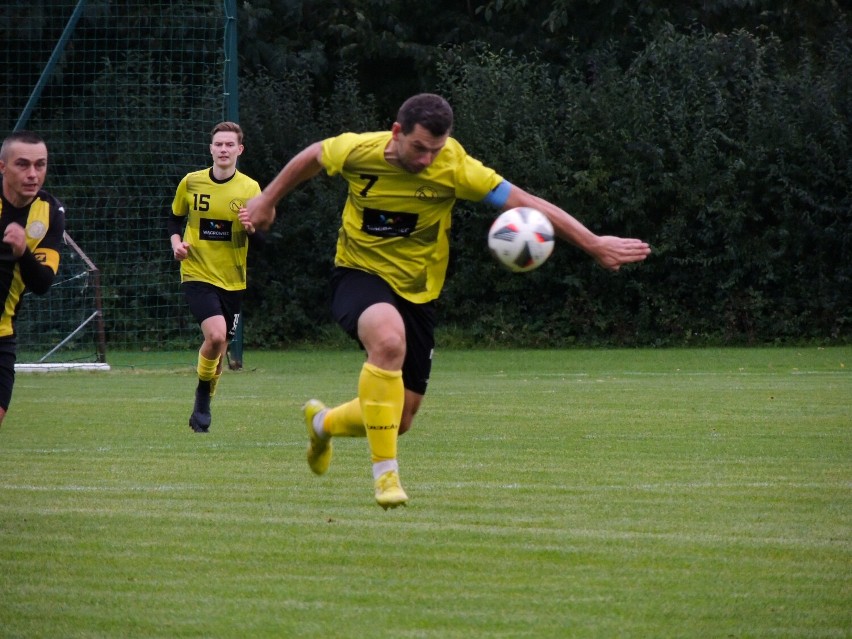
(498, 195)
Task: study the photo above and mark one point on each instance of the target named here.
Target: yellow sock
(214, 382)
(382, 396)
(345, 420)
(206, 368)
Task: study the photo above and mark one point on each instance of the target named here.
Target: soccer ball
(521, 239)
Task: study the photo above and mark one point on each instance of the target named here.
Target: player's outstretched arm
(301, 167)
(607, 250)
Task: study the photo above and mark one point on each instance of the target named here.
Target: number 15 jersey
(218, 243)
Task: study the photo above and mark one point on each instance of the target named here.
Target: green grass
(612, 493)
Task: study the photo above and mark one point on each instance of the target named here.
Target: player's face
(418, 149)
(23, 172)
(225, 149)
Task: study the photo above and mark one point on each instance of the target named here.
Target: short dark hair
(430, 111)
(233, 127)
(27, 137)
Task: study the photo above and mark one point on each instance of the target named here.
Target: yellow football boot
(389, 493)
(319, 448)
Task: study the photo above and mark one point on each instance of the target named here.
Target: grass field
(611, 493)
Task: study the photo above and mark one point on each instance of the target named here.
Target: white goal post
(66, 324)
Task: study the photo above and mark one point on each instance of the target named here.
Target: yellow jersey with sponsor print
(396, 224)
(218, 243)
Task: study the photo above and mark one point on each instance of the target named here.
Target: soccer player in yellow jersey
(391, 260)
(212, 252)
(32, 226)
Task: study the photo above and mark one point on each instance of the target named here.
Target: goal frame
(97, 317)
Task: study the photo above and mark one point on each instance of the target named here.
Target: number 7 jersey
(396, 224)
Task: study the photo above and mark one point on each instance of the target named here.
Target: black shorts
(206, 300)
(354, 291)
(7, 376)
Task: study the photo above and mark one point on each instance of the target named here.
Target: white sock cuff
(380, 468)
(317, 423)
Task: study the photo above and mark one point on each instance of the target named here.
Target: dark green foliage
(287, 301)
(735, 169)
(125, 112)
(718, 131)
(732, 162)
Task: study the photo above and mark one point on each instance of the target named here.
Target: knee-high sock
(382, 396)
(345, 420)
(206, 368)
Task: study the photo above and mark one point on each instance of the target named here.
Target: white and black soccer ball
(521, 239)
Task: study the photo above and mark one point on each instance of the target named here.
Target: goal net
(125, 94)
(66, 327)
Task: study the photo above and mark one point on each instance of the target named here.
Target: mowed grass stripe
(553, 494)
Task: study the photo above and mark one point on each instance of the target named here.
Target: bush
(732, 165)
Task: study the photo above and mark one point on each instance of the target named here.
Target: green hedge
(733, 165)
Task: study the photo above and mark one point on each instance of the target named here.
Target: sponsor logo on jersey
(214, 230)
(388, 223)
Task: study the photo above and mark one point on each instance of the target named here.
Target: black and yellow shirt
(44, 222)
(218, 243)
(396, 224)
